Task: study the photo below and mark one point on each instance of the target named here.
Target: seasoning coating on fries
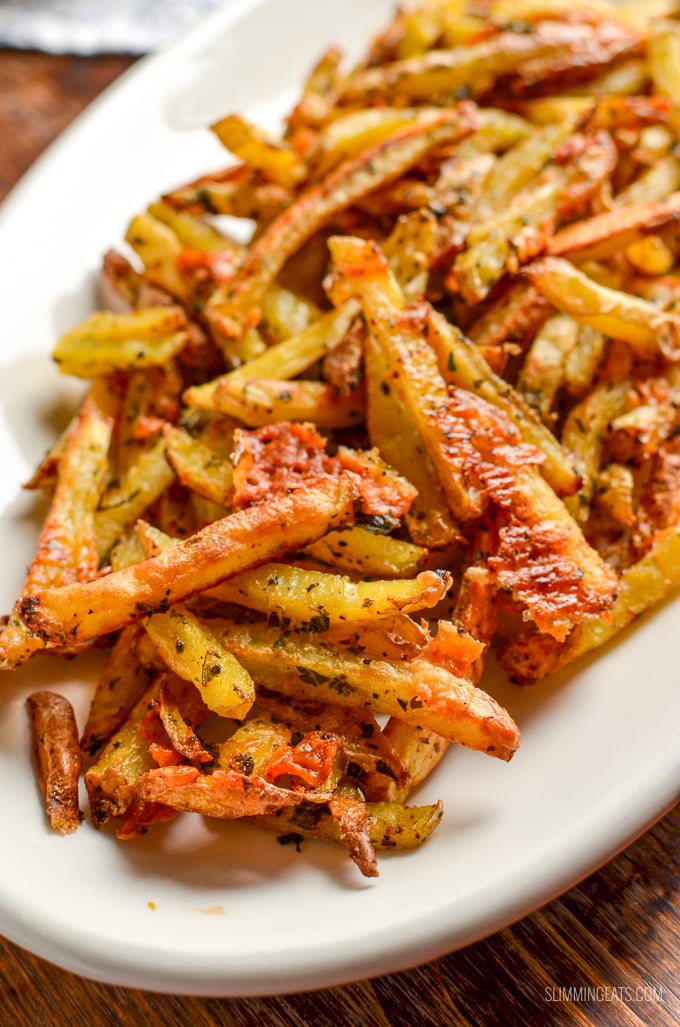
(423, 408)
(58, 758)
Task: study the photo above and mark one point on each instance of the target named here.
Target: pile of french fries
(431, 408)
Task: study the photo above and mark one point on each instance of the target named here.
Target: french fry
(125, 501)
(583, 434)
(543, 371)
(192, 231)
(173, 704)
(441, 74)
(67, 545)
(110, 782)
(649, 331)
(418, 748)
(200, 467)
(653, 184)
(237, 192)
(58, 758)
(664, 53)
(395, 434)
(158, 248)
(121, 683)
(191, 650)
(363, 552)
(260, 401)
(391, 825)
(314, 600)
(66, 549)
(240, 540)
(419, 692)
(235, 305)
(605, 234)
(642, 585)
(364, 744)
(106, 343)
(277, 160)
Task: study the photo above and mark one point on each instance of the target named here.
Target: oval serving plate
(217, 908)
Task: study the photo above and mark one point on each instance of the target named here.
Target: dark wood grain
(606, 953)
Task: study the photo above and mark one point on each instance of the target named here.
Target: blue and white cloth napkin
(97, 26)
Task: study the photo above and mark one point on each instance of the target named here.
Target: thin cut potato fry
(58, 758)
(392, 826)
(427, 415)
(122, 681)
(235, 305)
(127, 499)
(366, 553)
(279, 162)
(190, 649)
(419, 693)
(643, 584)
(198, 466)
(238, 541)
(316, 599)
(650, 331)
(260, 401)
(420, 749)
(608, 233)
(395, 434)
(583, 432)
(285, 359)
(441, 74)
(110, 782)
(107, 342)
(67, 544)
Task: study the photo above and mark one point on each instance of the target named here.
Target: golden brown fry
(419, 692)
(365, 553)
(202, 468)
(420, 750)
(649, 331)
(543, 371)
(106, 343)
(583, 434)
(240, 540)
(642, 585)
(274, 158)
(260, 401)
(391, 825)
(224, 793)
(188, 646)
(608, 233)
(57, 753)
(236, 304)
(145, 479)
(174, 705)
(67, 545)
(315, 600)
(110, 782)
(121, 683)
(396, 436)
(440, 74)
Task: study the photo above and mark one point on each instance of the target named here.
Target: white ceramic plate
(219, 909)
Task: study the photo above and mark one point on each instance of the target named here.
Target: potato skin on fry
(58, 758)
(241, 540)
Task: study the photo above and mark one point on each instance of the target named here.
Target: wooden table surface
(607, 952)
